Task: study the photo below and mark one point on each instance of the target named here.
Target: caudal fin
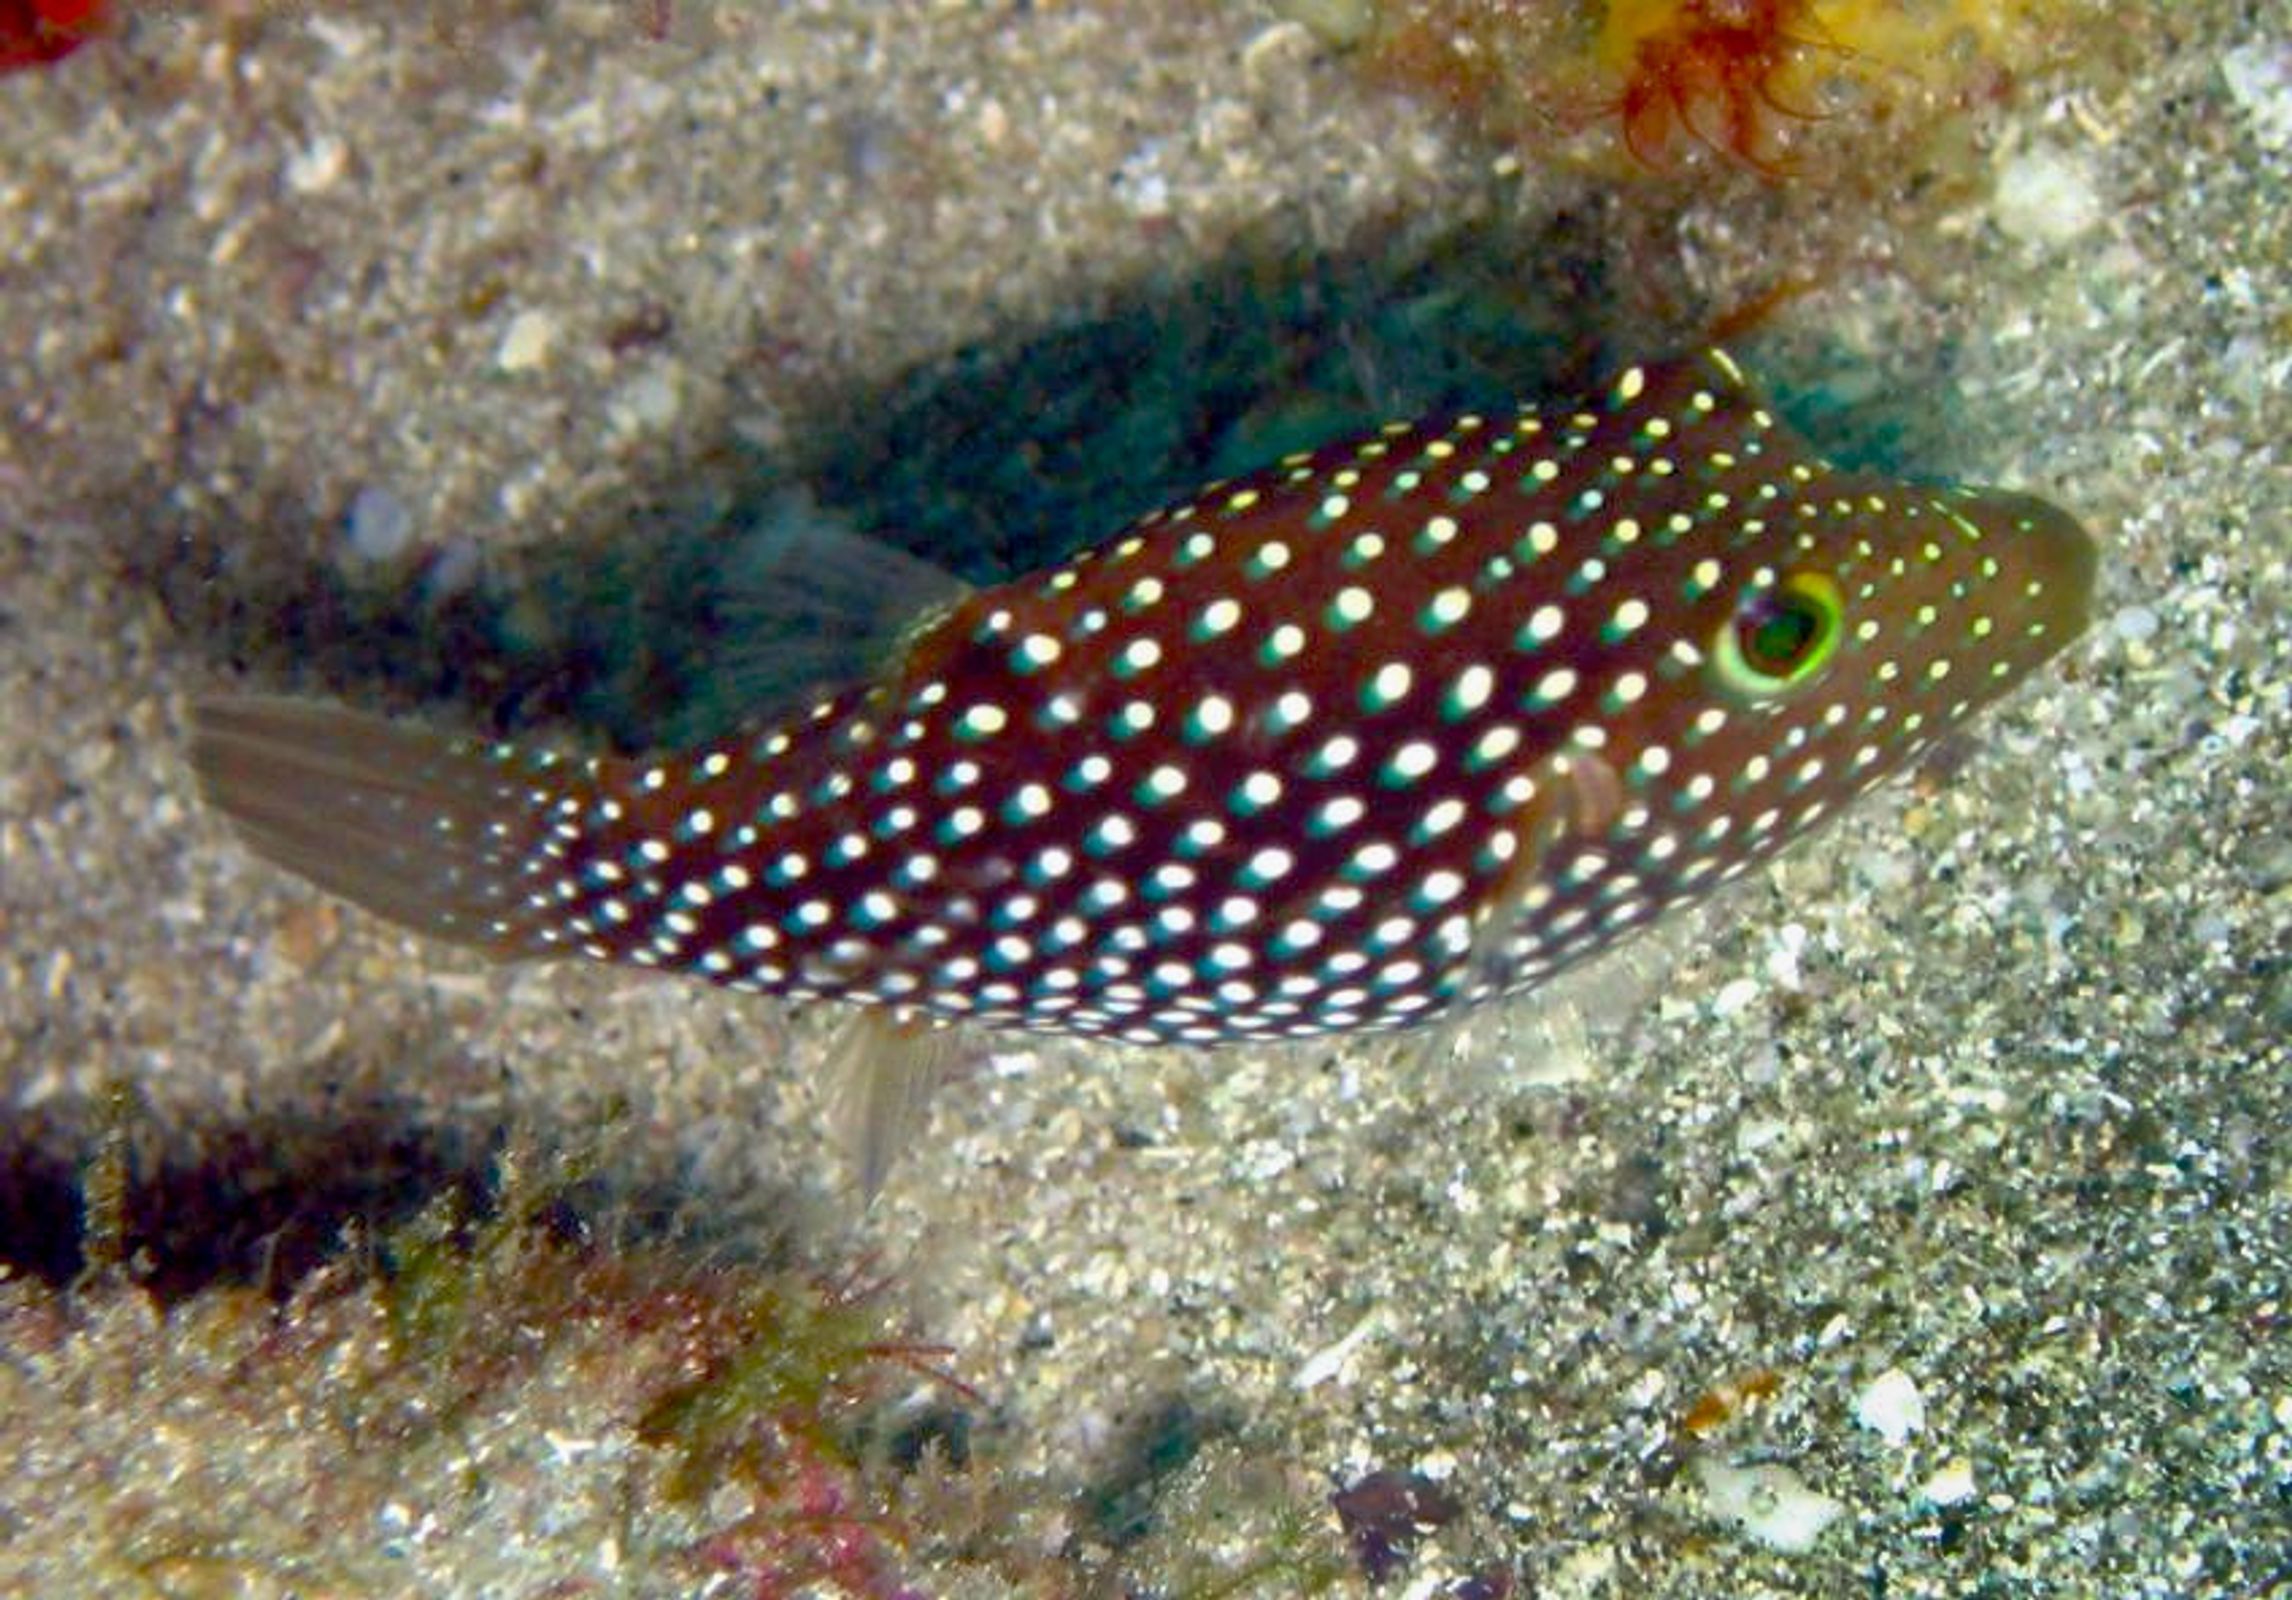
(447, 836)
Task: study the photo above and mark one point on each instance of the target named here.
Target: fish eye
(1779, 638)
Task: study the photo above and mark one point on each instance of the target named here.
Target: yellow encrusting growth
(1924, 37)
(1747, 80)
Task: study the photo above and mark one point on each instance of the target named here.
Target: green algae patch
(785, 1370)
(468, 1398)
(510, 1391)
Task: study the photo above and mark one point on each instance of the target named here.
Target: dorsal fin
(812, 605)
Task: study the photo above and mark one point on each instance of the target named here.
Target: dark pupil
(1777, 641)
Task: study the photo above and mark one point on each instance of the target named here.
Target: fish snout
(2062, 556)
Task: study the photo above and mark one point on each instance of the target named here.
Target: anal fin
(881, 1071)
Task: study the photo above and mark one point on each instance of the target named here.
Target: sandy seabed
(1918, 1226)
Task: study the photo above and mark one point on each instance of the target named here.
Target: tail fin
(447, 836)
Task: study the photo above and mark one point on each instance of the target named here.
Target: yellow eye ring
(1780, 638)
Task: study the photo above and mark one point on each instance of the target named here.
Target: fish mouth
(2067, 557)
(2054, 562)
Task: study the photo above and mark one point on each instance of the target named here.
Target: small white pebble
(1883, 870)
(1754, 1134)
(1140, 181)
(1336, 1360)
(525, 343)
(315, 167)
(1769, 1502)
(1783, 959)
(1588, 1569)
(1340, 23)
(457, 566)
(2134, 624)
(647, 403)
(1891, 1407)
(1952, 1485)
(1734, 997)
(2047, 196)
(378, 526)
(346, 39)
(2259, 79)
(1438, 1465)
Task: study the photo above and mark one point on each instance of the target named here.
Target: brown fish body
(1387, 729)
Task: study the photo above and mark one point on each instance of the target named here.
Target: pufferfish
(1385, 731)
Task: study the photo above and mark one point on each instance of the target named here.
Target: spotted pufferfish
(1387, 730)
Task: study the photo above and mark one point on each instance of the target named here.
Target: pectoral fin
(1576, 799)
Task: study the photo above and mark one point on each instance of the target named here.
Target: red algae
(34, 33)
(1676, 82)
(1708, 71)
